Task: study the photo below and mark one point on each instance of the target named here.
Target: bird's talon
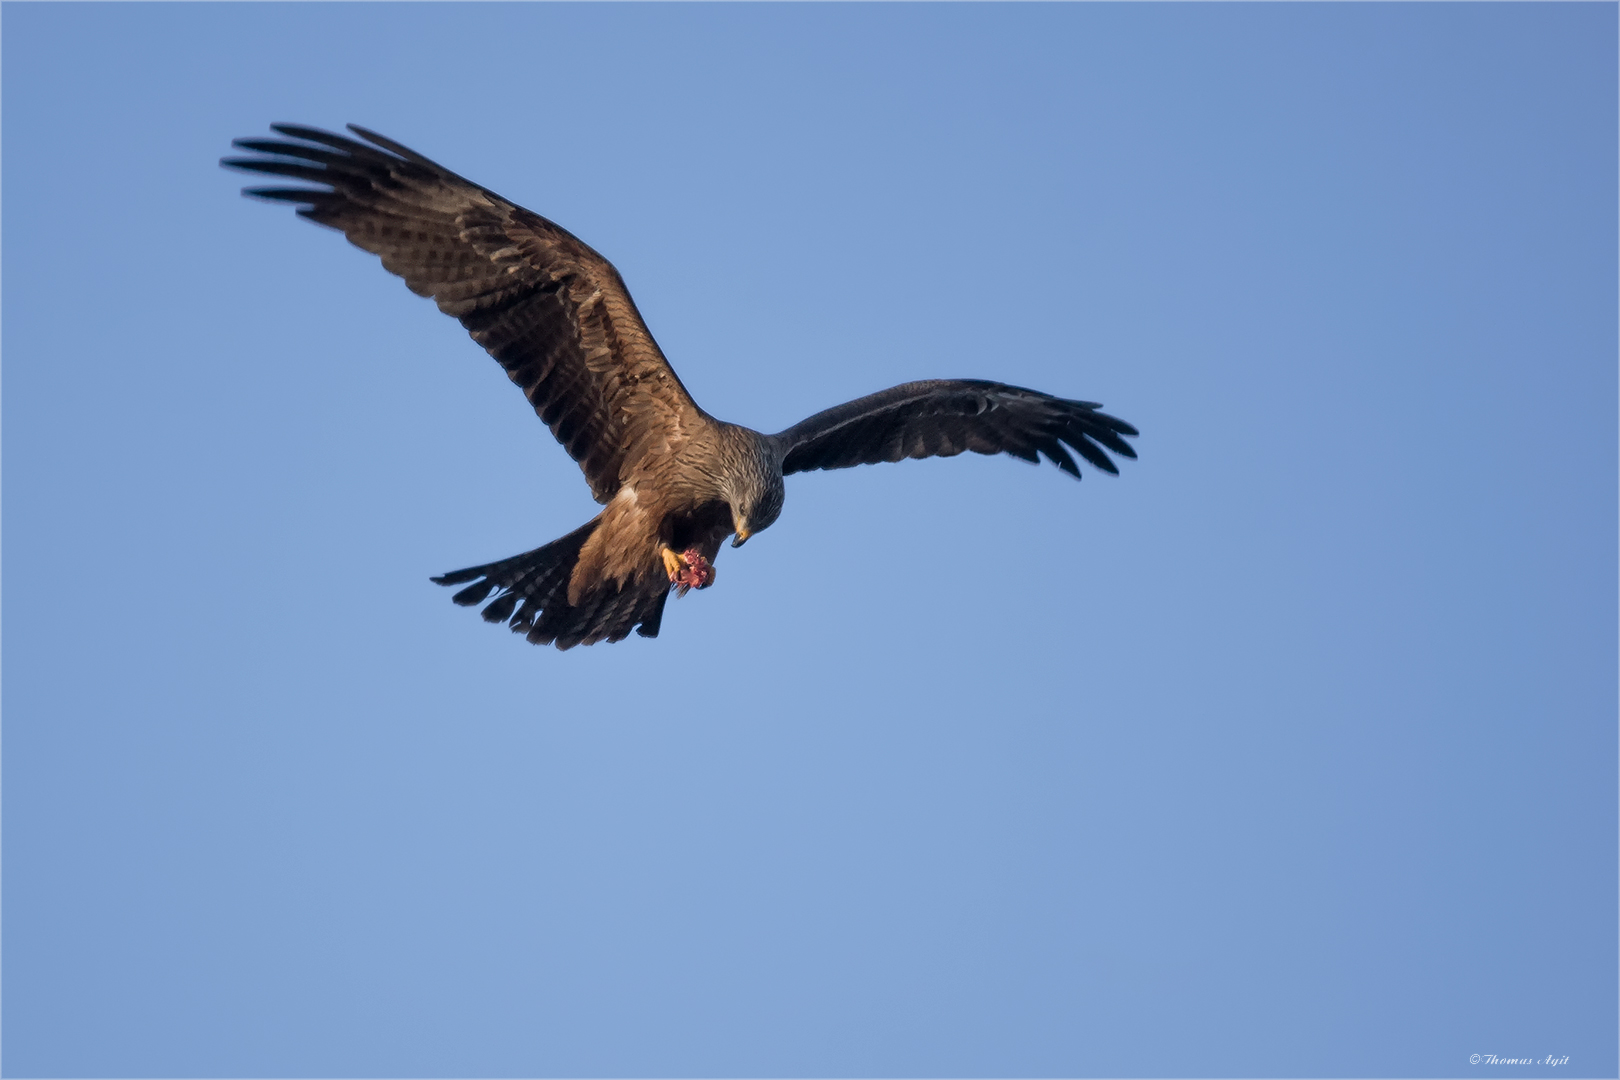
(688, 569)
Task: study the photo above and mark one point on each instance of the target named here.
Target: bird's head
(755, 508)
(754, 487)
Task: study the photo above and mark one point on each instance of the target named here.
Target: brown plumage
(674, 481)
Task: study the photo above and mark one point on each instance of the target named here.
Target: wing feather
(943, 417)
(553, 312)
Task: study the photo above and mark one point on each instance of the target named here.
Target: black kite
(675, 481)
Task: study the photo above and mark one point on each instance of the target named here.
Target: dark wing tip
(1093, 428)
(1057, 455)
(1117, 425)
(291, 195)
(1095, 436)
(315, 135)
(314, 144)
(319, 158)
(391, 146)
(474, 593)
(500, 609)
(1092, 453)
(301, 131)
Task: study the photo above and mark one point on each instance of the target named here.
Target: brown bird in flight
(673, 480)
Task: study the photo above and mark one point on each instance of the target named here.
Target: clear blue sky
(1292, 751)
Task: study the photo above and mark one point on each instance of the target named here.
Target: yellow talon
(688, 569)
(673, 563)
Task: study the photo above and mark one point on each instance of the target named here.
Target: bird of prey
(674, 481)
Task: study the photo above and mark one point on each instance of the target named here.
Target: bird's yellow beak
(742, 535)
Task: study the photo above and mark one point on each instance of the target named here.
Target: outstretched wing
(552, 311)
(943, 417)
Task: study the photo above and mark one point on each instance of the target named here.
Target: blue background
(1290, 751)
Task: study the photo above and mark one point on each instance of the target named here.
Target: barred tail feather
(531, 595)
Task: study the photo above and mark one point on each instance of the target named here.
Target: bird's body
(674, 481)
(663, 506)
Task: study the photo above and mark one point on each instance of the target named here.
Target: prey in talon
(688, 570)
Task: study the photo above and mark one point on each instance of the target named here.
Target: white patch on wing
(627, 494)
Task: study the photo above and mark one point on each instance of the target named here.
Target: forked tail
(531, 593)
